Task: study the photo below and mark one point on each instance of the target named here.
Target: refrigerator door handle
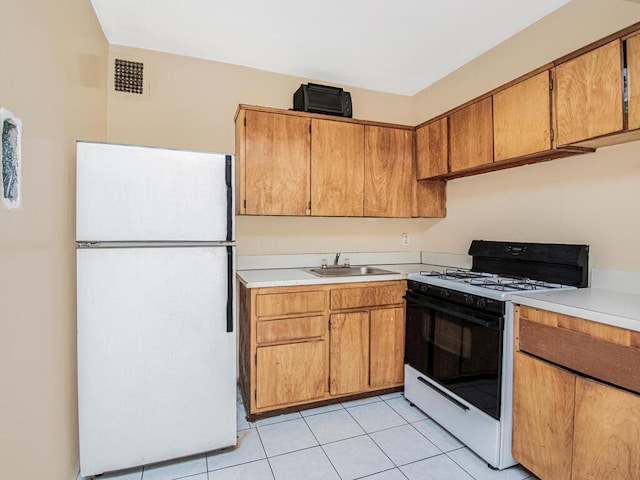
(228, 175)
(229, 289)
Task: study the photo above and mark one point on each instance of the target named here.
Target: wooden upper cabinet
(432, 149)
(522, 118)
(589, 95)
(388, 162)
(471, 136)
(276, 164)
(607, 425)
(633, 76)
(337, 168)
(543, 406)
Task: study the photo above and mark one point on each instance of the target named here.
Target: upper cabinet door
(337, 166)
(589, 94)
(471, 136)
(522, 118)
(432, 149)
(388, 167)
(277, 149)
(633, 76)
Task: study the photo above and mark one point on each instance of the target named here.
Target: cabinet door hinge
(309, 127)
(551, 84)
(244, 203)
(552, 134)
(245, 121)
(329, 324)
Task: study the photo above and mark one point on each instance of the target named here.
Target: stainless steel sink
(348, 271)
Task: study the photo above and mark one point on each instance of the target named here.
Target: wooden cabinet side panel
(471, 136)
(349, 352)
(337, 168)
(240, 163)
(290, 373)
(361, 297)
(388, 163)
(633, 75)
(607, 429)
(543, 405)
(278, 304)
(522, 118)
(387, 347)
(277, 150)
(430, 198)
(589, 94)
(432, 149)
(245, 351)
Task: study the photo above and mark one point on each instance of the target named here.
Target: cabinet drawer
(608, 353)
(278, 304)
(290, 329)
(367, 296)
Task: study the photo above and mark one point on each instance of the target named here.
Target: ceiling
(399, 46)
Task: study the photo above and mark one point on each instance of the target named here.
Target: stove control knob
(424, 288)
(481, 303)
(445, 293)
(468, 299)
(412, 285)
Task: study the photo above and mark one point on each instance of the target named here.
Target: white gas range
(459, 337)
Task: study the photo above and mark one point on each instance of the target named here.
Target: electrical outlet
(405, 239)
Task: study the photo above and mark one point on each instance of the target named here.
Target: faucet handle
(346, 263)
(324, 263)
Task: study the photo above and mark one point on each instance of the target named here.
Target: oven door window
(459, 348)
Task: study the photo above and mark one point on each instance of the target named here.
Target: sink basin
(348, 271)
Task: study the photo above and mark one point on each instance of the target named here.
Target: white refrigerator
(155, 304)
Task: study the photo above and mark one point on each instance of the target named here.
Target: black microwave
(316, 98)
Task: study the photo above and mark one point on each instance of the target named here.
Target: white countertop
(605, 306)
(283, 277)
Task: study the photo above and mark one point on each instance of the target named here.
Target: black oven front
(455, 339)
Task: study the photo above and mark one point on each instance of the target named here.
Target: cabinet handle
(458, 404)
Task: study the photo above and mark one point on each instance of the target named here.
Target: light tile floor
(377, 438)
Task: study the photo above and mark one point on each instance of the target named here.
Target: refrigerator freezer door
(156, 366)
(129, 193)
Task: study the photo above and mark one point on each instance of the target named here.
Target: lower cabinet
(293, 372)
(567, 426)
(301, 345)
(543, 417)
(349, 353)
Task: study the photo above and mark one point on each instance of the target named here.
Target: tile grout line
(320, 445)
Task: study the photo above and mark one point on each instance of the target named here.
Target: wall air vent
(129, 76)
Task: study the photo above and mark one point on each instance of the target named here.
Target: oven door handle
(457, 403)
(471, 316)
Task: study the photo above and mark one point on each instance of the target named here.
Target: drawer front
(367, 296)
(279, 304)
(607, 353)
(271, 331)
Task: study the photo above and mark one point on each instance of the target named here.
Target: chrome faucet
(335, 260)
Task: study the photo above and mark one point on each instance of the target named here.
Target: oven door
(458, 347)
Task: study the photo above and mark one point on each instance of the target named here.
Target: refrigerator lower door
(156, 365)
